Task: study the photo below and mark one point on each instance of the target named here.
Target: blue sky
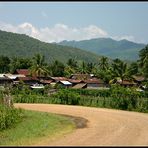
(56, 21)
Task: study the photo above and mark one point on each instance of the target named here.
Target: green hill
(20, 45)
(123, 49)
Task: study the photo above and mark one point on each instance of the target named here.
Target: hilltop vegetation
(20, 45)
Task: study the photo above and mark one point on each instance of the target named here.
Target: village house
(95, 83)
(88, 81)
(28, 80)
(126, 83)
(65, 84)
(4, 80)
(80, 76)
(80, 86)
(75, 82)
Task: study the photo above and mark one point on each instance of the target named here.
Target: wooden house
(4, 80)
(24, 72)
(126, 83)
(95, 83)
(65, 84)
(28, 80)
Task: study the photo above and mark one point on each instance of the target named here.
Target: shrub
(9, 116)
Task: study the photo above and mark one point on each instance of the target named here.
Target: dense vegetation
(20, 45)
(124, 49)
(117, 97)
(108, 70)
(9, 116)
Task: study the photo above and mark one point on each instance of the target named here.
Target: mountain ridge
(21, 45)
(123, 49)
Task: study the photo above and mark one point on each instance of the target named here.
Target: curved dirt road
(105, 127)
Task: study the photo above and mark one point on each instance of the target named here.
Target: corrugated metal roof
(23, 71)
(97, 81)
(46, 81)
(59, 78)
(2, 75)
(74, 81)
(66, 82)
(80, 85)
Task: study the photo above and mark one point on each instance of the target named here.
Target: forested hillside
(123, 49)
(20, 45)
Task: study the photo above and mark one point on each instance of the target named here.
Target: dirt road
(105, 127)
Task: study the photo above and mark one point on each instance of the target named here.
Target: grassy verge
(36, 127)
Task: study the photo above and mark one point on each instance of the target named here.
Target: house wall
(3, 82)
(95, 85)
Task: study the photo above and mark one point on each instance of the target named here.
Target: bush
(67, 97)
(9, 116)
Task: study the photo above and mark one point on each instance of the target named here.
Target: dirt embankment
(101, 127)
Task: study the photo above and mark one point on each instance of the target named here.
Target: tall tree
(143, 61)
(39, 67)
(4, 64)
(20, 63)
(72, 63)
(133, 68)
(119, 70)
(90, 67)
(68, 71)
(103, 64)
(57, 68)
(83, 68)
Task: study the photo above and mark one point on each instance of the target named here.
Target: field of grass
(35, 128)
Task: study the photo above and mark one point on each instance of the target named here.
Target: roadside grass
(36, 127)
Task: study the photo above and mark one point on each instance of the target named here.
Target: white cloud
(127, 37)
(60, 32)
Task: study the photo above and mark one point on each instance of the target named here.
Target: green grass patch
(35, 128)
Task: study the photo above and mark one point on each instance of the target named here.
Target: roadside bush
(9, 116)
(67, 97)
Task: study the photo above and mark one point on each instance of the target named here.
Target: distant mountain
(123, 49)
(20, 45)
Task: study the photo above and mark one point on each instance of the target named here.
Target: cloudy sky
(57, 21)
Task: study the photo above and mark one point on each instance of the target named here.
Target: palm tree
(72, 63)
(83, 68)
(57, 68)
(143, 54)
(133, 68)
(90, 67)
(119, 70)
(103, 63)
(143, 62)
(39, 67)
(68, 71)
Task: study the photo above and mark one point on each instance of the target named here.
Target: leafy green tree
(57, 68)
(68, 71)
(20, 63)
(83, 68)
(90, 67)
(72, 63)
(143, 61)
(133, 68)
(4, 64)
(104, 75)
